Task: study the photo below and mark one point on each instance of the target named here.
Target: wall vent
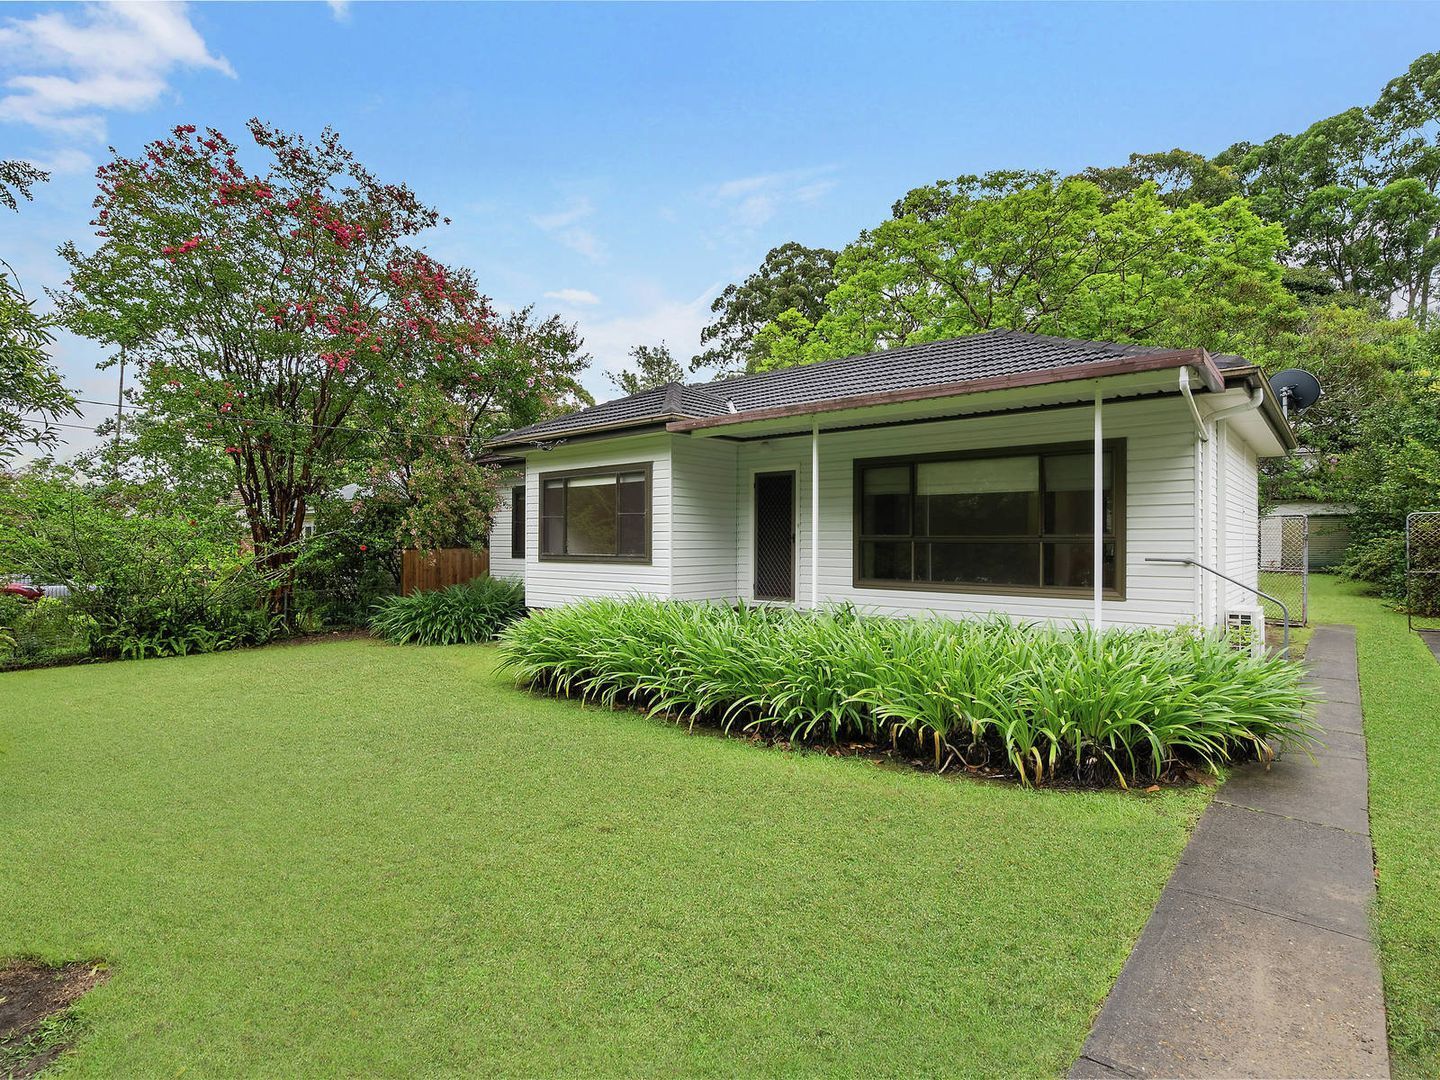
(1246, 630)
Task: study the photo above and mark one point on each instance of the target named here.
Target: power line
(239, 418)
(56, 423)
(213, 440)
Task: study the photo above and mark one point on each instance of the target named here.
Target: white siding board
(1241, 510)
(501, 564)
(703, 524)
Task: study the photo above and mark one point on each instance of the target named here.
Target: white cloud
(73, 65)
(340, 9)
(676, 322)
(583, 242)
(576, 209)
(573, 296)
(66, 161)
(564, 225)
(752, 201)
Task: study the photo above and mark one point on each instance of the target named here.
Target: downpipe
(1194, 409)
(1257, 398)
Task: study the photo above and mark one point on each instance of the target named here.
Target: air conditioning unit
(1246, 629)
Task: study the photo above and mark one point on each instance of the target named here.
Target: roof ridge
(671, 402)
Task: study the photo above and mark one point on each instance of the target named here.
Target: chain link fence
(1285, 566)
(1422, 570)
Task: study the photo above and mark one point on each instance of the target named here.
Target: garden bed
(36, 1024)
(1045, 704)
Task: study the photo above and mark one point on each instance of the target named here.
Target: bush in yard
(350, 564)
(1050, 702)
(142, 582)
(461, 614)
(42, 632)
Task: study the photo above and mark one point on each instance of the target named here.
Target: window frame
(518, 499)
(1115, 447)
(645, 467)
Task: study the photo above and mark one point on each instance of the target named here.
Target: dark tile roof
(978, 356)
(670, 402)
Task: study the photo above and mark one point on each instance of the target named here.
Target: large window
(596, 514)
(517, 521)
(1011, 521)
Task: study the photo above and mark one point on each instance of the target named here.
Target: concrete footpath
(1431, 638)
(1259, 958)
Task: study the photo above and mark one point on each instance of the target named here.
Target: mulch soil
(30, 993)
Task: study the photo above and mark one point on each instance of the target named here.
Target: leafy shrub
(1122, 704)
(12, 608)
(145, 582)
(1378, 560)
(351, 563)
(457, 615)
(47, 631)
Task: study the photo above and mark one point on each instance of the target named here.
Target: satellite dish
(1296, 389)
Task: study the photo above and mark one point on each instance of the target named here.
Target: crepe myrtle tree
(425, 480)
(276, 316)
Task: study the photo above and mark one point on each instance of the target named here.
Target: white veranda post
(1099, 512)
(815, 513)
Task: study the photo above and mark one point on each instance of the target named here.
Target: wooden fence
(421, 571)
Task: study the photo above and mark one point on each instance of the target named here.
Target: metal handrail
(1284, 611)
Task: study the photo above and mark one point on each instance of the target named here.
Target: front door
(775, 536)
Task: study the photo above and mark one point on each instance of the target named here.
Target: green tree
(1394, 470)
(427, 480)
(791, 278)
(1050, 256)
(17, 178)
(536, 366)
(427, 477)
(1371, 229)
(145, 582)
(654, 367)
(1356, 354)
(32, 395)
(1357, 192)
(1180, 177)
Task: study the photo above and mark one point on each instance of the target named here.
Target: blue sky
(619, 164)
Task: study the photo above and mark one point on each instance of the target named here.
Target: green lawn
(350, 858)
(1400, 690)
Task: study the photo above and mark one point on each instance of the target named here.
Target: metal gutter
(1197, 358)
(1254, 378)
(537, 441)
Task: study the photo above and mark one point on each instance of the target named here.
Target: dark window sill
(1055, 591)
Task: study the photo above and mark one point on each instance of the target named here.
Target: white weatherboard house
(1038, 477)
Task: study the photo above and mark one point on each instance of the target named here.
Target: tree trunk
(274, 537)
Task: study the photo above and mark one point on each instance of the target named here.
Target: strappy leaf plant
(1055, 702)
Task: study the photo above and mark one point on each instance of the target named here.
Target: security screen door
(775, 536)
